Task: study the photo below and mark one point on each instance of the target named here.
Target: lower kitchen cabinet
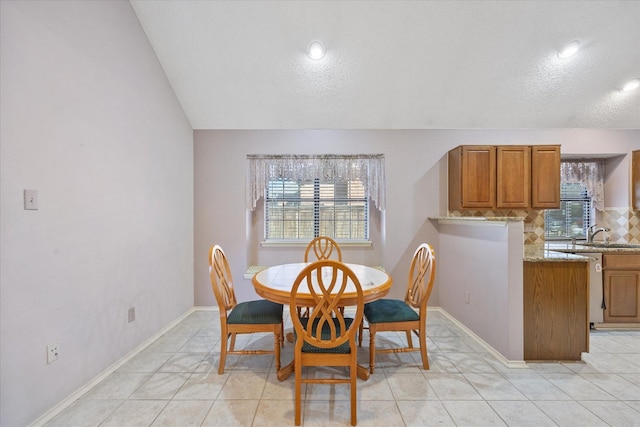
(621, 278)
(556, 310)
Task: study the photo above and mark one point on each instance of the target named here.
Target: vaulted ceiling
(398, 64)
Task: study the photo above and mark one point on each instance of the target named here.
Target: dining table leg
(289, 336)
(286, 371)
(362, 372)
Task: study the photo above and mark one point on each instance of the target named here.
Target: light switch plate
(31, 200)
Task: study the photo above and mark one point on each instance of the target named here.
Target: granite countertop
(478, 219)
(566, 251)
(601, 247)
(536, 252)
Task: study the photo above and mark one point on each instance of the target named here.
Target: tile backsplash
(623, 223)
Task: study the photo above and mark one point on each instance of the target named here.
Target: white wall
(481, 265)
(416, 185)
(91, 122)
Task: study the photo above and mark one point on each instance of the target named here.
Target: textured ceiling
(398, 64)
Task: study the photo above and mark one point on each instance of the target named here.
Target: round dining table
(274, 284)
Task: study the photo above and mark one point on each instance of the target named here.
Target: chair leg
(409, 341)
(282, 334)
(298, 410)
(423, 348)
(354, 399)
(277, 336)
(223, 353)
(372, 348)
(232, 345)
(360, 332)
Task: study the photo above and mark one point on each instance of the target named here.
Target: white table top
(274, 283)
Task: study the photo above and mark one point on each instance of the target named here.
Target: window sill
(303, 244)
(253, 270)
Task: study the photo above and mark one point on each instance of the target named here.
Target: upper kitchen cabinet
(635, 180)
(504, 177)
(472, 177)
(514, 177)
(545, 176)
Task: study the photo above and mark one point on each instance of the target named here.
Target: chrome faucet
(592, 231)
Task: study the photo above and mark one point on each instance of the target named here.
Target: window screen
(304, 210)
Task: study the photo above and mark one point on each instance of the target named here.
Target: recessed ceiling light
(569, 50)
(315, 50)
(631, 85)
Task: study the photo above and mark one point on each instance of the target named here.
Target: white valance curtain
(367, 168)
(590, 173)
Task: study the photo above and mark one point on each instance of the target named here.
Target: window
(337, 208)
(581, 193)
(316, 195)
(574, 216)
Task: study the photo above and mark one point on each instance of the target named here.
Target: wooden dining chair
(244, 318)
(326, 337)
(395, 315)
(321, 247)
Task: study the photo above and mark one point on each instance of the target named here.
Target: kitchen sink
(612, 245)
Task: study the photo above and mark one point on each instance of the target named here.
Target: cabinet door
(555, 310)
(635, 179)
(622, 296)
(478, 177)
(513, 177)
(545, 176)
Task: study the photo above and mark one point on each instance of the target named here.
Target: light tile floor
(174, 382)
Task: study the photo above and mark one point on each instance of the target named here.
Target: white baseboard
(617, 326)
(51, 413)
(516, 364)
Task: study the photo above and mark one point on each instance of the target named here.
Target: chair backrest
(221, 280)
(421, 277)
(326, 327)
(323, 247)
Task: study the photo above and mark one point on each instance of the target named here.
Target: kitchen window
(574, 216)
(581, 194)
(305, 196)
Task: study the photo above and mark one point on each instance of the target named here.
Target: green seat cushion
(389, 310)
(326, 334)
(256, 312)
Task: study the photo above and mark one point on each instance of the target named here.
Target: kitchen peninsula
(503, 294)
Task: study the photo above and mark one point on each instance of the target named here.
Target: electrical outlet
(466, 297)
(53, 352)
(132, 314)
